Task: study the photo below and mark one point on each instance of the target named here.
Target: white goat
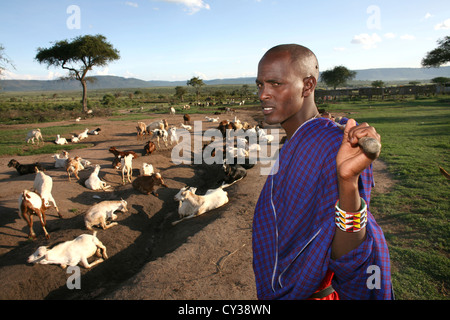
(186, 126)
(43, 185)
(102, 211)
(172, 110)
(61, 159)
(146, 169)
(72, 252)
(127, 166)
(84, 134)
(94, 182)
(60, 140)
(34, 134)
(212, 119)
(193, 205)
(74, 139)
(173, 138)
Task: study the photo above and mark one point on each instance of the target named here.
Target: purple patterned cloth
(294, 225)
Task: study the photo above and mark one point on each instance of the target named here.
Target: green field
(415, 136)
(415, 214)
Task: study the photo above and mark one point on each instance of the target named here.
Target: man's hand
(351, 159)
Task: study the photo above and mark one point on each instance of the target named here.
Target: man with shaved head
(313, 234)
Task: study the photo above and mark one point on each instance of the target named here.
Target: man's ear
(309, 85)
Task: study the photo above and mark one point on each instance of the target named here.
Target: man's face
(280, 90)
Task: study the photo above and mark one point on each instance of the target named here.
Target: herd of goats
(36, 201)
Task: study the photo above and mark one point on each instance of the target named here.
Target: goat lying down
(72, 252)
(100, 212)
(192, 205)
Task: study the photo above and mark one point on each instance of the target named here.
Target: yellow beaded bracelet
(351, 222)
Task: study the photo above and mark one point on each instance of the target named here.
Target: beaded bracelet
(351, 222)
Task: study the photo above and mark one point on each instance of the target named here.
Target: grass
(415, 214)
(12, 142)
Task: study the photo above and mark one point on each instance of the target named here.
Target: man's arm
(350, 162)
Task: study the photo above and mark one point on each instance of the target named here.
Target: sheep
(102, 211)
(73, 165)
(146, 169)
(127, 166)
(187, 119)
(173, 138)
(146, 184)
(185, 126)
(160, 133)
(172, 110)
(34, 134)
(43, 185)
(71, 253)
(25, 168)
(60, 140)
(61, 159)
(149, 147)
(30, 203)
(83, 135)
(194, 205)
(94, 182)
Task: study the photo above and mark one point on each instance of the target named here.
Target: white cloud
(427, 16)
(407, 37)
(8, 75)
(443, 25)
(368, 41)
(389, 35)
(131, 4)
(103, 72)
(193, 6)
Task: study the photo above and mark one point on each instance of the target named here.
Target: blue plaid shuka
(294, 225)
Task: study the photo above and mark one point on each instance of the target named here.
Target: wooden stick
(370, 146)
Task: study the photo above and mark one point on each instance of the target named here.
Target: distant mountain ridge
(114, 82)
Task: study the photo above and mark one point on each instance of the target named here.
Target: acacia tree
(438, 56)
(337, 76)
(78, 57)
(197, 83)
(4, 60)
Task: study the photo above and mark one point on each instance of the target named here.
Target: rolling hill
(114, 82)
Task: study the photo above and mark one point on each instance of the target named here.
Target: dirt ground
(208, 257)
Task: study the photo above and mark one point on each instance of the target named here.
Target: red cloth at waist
(325, 283)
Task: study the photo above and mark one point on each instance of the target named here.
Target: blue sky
(179, 39)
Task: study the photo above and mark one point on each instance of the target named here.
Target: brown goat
(146, 184)
(187, 119)
(149, 148)
(30, 203)
(73, 165)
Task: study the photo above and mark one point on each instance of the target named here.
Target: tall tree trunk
(84, 100)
